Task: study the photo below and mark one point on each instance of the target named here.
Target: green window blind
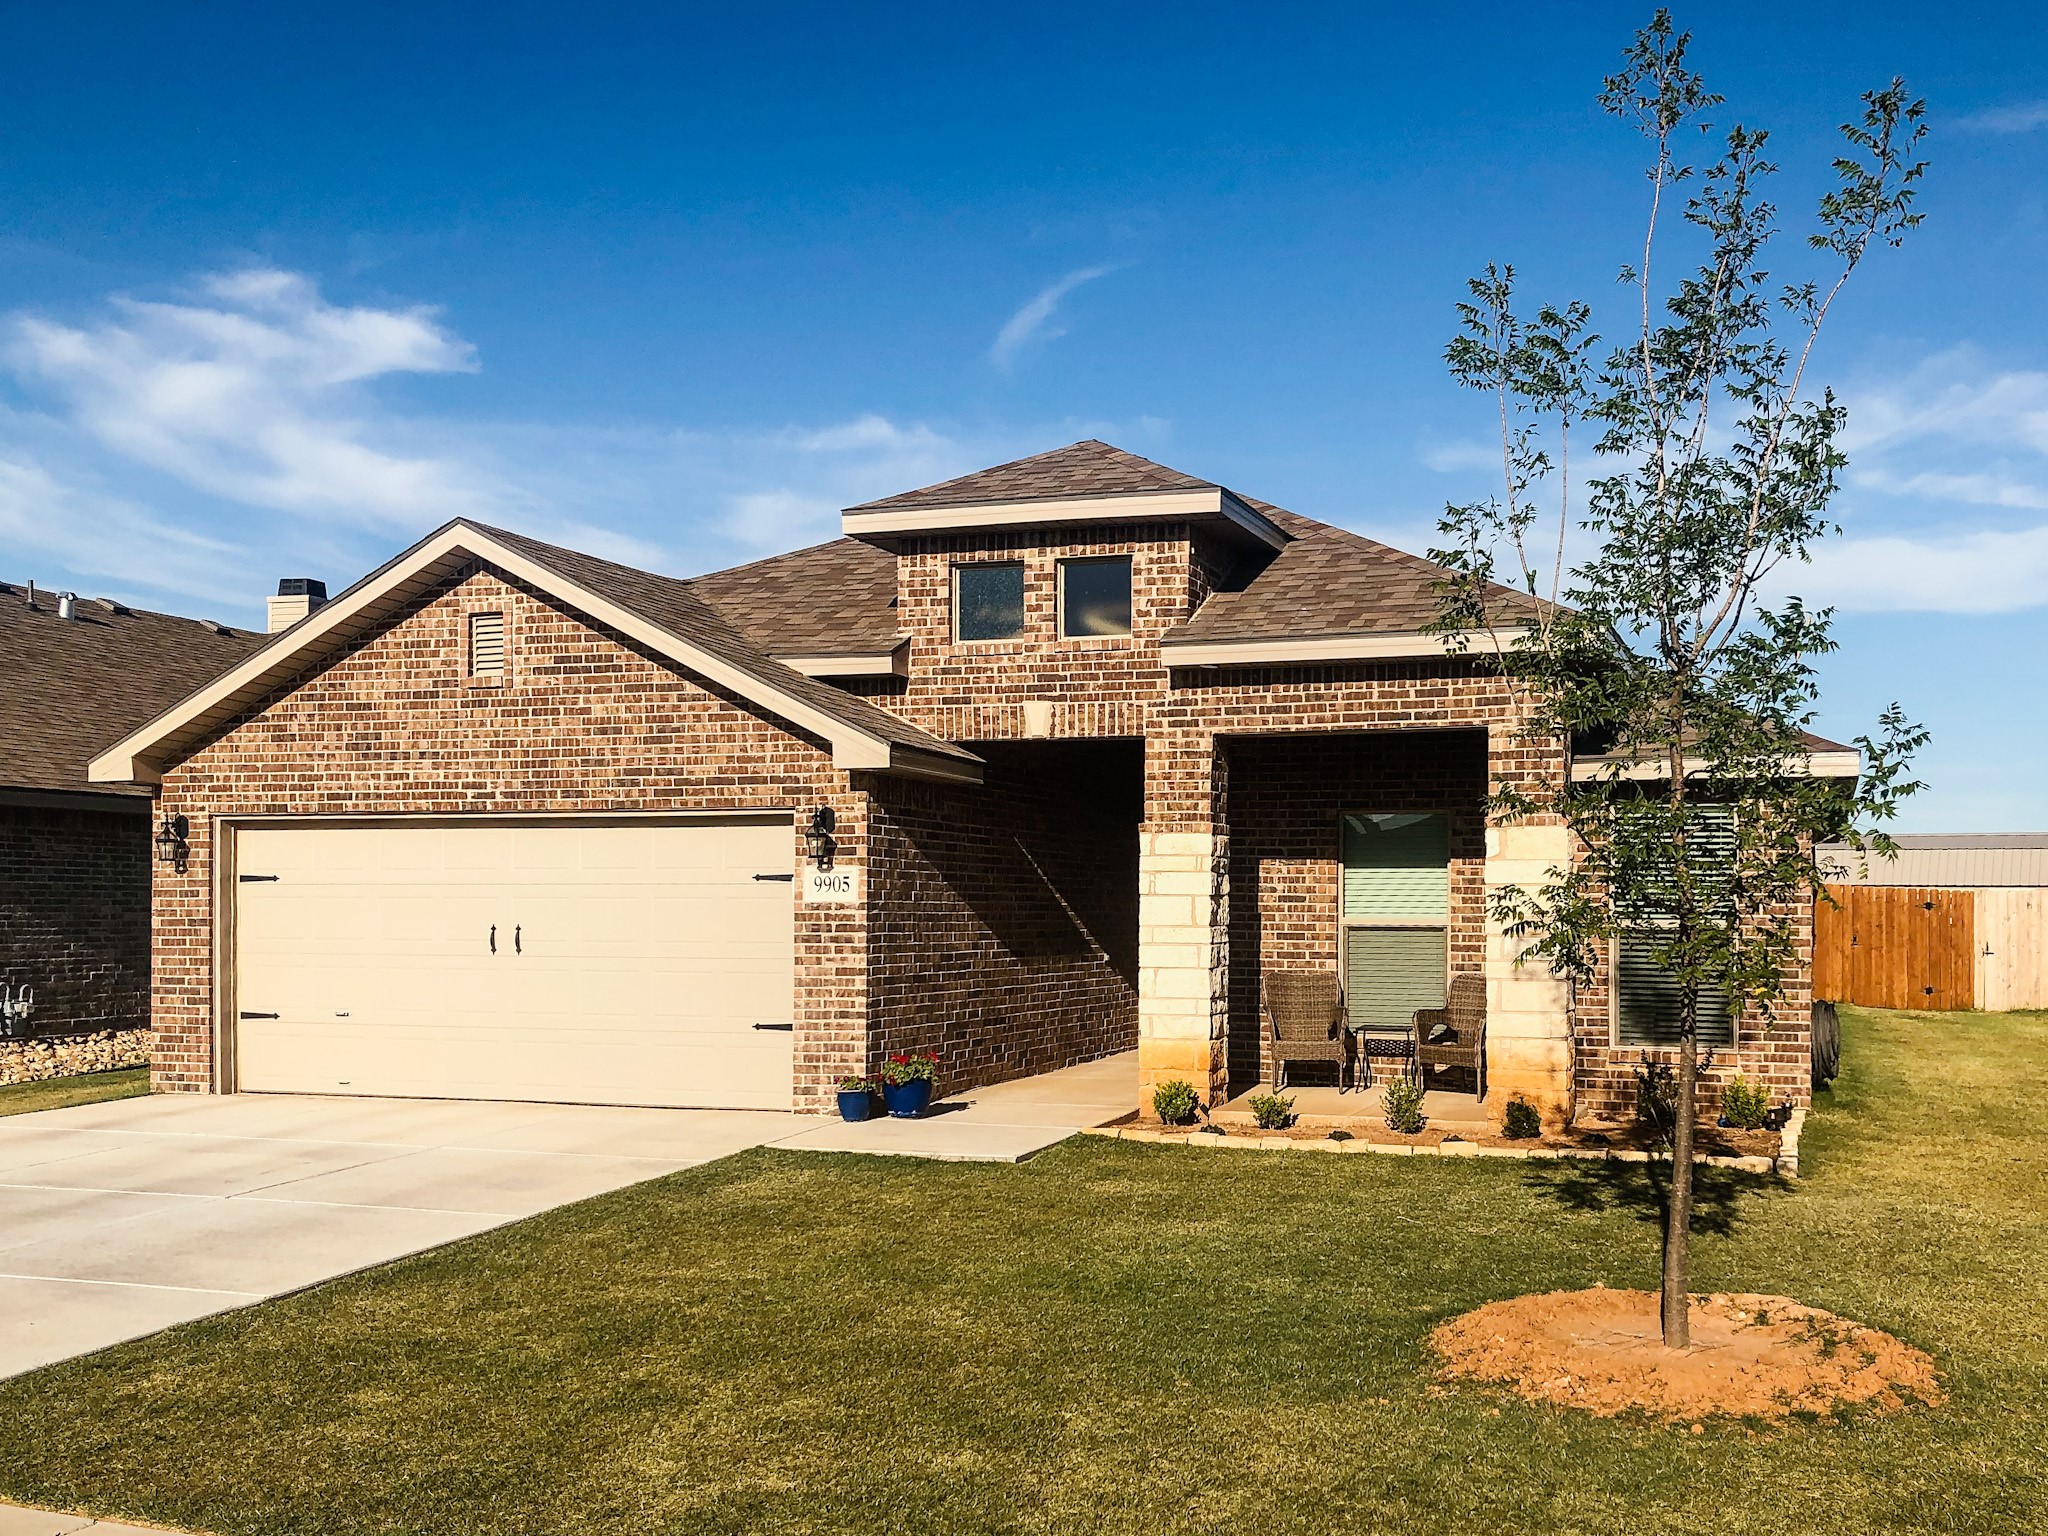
(1650, 1002)
(1391, 972)
(1648, 999)
(1397, 867)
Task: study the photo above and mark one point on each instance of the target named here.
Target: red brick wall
(1287, 796)
(1004, 927)
(74, 915)
(583, 722)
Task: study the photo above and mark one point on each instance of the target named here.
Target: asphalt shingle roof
(1090, 468)
(830, 598)
(69, 687)
(670, 603)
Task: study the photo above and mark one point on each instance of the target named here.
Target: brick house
(1044, 763)
(74, 855)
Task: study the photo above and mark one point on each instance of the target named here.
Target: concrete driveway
(122, 1218)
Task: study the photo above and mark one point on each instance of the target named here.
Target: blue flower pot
(906, 1101)
(856, 1106)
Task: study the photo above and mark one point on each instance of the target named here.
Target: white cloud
(196, 448)
(1035, 320)
(255, 392)
(2022, 118)
(1458, 457)
(1982, 572)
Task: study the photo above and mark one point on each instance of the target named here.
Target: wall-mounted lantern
(818, 837)
(172, 845)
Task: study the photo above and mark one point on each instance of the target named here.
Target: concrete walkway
(18, 1521)
(1005, 1123)
(121, 1218)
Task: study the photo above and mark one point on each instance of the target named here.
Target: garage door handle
(258, 1015)
(775, 1026)
(775, 877)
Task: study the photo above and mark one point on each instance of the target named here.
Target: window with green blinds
(1648, 1001)
(1397, 867)
(1396, 903)
(1391, 972)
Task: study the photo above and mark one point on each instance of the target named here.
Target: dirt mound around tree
(1751, 1356)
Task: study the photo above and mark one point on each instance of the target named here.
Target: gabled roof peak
(1090, 467)
(1089, 482)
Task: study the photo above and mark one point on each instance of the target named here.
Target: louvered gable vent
(487, 645)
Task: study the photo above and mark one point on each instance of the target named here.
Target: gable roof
(1087, 468)
(659, 612)
(66, 685)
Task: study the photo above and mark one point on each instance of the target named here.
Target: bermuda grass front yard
(63, 1092)
(1112, 1338)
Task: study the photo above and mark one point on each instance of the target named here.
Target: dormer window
(988, 600)
(1095, 597)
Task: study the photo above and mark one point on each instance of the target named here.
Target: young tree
(1660, 648)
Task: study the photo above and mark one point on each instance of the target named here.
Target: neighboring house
(1060, 758)
(74, 855)
(1952, 922)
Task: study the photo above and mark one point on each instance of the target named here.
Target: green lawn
(1112, 1338)
(63, 1092)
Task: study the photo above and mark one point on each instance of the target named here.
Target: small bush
(1657, 1100)
(1745, 1104)
(1402, 1102)
(1175, 1102)
(1272, 1111)
(1519, 1120)
(1340, 1135)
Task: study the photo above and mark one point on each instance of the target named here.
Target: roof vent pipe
(296, 597)
(32, 592)
(67, 605)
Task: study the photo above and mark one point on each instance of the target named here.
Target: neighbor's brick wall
(1287, 800)
(74, 915)
(584, 722)
(1003, 929)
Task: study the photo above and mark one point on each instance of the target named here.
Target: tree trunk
(1676, 1311)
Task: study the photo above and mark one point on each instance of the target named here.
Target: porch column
(1528, 1010)
(1183, 920)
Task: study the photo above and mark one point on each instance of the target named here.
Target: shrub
(1340, 1135)
(910, 1067)
(1175, 1102)
(1657, 1100)
(1745, 1104)
(1402, 1101)
(1271, 1111)
(1520, 1120)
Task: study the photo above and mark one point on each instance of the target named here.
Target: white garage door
(583, 962)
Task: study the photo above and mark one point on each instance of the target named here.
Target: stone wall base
(1534, 1069)
(1201, 1064)
(31, 1061)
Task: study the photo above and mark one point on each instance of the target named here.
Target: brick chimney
(296, 597)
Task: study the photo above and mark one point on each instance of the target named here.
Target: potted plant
(907, 1079)
(856, 1098)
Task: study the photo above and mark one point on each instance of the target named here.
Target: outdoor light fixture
(818, 837)
(171, 846)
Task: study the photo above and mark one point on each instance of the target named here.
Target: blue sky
(281, 287)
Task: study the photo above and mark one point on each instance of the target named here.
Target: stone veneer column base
(1182, 961)
(1528, 1010)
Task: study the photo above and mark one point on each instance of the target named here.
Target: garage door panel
(643, 956)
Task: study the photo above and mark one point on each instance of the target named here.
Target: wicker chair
(1305, 1013)
(1455, 1034)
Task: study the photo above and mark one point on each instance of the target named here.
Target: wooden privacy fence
(1888, 946)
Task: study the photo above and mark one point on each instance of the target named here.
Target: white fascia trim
(128, 761)
(1379, 646)
(1151, 506)
(890, 663)
(1817, 765)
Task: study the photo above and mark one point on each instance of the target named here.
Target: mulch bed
(1751, 1356)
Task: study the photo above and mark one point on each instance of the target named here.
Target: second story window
(1095, 597)
(988, 600)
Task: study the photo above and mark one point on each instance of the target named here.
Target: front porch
(1361, 856)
